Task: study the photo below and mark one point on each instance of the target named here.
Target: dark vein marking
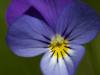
(65, 46)
(65, 30)
(66, 52)
(62, 54)
(40, 47)
(53, 53)
(52, 48)
(57, 57)
(46, 37)
(42, 41)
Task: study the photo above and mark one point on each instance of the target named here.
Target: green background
(13, 65)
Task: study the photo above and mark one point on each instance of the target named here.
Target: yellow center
(58, 46)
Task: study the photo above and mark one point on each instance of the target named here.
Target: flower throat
(59, 46)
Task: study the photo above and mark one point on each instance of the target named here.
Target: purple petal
(50, 9)
(78, 21)
(27, 34)
(64, 66)
(16, 9)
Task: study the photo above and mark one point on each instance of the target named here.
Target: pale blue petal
(27, 34)
(29, 52)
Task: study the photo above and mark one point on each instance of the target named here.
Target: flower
(60, 39)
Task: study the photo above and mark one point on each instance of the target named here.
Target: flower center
(59, 46)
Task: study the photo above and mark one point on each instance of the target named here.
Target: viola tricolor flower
(60, 34)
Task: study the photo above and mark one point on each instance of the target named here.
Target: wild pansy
(59, 33)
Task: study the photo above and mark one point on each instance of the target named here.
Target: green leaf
(90, 65)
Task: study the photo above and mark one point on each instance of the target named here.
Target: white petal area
(50, 65)
(66, 65)
(69, 64)
(27, 34)
(62, 67)
(76, 53)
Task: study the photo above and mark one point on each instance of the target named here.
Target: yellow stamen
(58, 46)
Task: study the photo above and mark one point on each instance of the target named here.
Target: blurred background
(14, 65)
